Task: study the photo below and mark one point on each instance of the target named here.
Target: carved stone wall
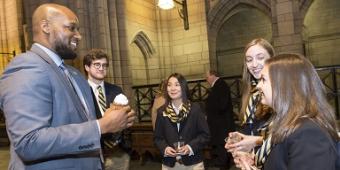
(300, 26)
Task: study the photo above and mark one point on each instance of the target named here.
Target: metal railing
(12, 53)
(330, 76)
(199, 89)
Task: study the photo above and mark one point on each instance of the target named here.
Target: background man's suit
(220, 119)
(118, 156)
(46, 122)
(111, 91)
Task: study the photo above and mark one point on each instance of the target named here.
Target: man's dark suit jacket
(194, 131)
(308, 148)
(219, 112)
(111, 91)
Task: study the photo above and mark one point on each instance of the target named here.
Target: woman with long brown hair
(256, 53)
(303, 131)
(253, 114)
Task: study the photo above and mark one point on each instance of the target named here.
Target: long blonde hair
(247, 77)
(298, 93)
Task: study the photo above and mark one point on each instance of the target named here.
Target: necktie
(107, 140)
(101, 98)
(75, 86)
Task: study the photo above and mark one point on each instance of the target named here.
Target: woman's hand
(184, 150)
(244, 143)
(169, 151)
(244, 160)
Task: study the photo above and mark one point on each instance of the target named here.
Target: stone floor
(135, 164)
(4, 157)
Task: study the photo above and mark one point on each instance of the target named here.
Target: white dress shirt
(94, 87)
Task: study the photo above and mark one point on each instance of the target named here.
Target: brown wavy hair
(298, 94)
(247, 78)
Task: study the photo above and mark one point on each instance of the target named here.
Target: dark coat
(308, 148)
(111, 91)
(194, 131)
(219, 110)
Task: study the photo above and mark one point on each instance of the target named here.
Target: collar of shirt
(176, 109)
(95, 86)
(213, 83)
(177, 112)
(56, 59)
(95, 91)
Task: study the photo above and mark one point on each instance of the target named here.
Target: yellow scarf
(171, 114)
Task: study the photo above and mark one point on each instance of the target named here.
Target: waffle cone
(116, 106)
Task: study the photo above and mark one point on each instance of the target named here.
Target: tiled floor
(135, 164)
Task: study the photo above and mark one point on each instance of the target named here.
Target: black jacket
(219, 112)
(194, 131)
(308, 148)
(111, 91)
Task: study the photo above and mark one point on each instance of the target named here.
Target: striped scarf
(254, 99)
(249, 115)
(266, 147)
(171, 114)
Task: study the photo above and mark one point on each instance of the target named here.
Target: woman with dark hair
(303, 131)
(181, 131)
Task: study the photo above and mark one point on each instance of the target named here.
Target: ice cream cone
(119, 102)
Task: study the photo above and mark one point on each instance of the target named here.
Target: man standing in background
(220, 119)
(113, 145)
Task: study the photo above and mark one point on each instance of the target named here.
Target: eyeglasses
(98, 65)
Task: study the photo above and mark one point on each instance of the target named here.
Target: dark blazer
(111, 91)
(308, 148)
(219, 112)
(194, 131)
(47, 125)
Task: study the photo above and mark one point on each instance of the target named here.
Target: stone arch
(223, 11)
(142, 51)
(144, 44)
(321, 33)
(218, 18)
(304, 6)
(219, 12)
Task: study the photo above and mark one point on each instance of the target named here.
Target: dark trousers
(220, 157)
